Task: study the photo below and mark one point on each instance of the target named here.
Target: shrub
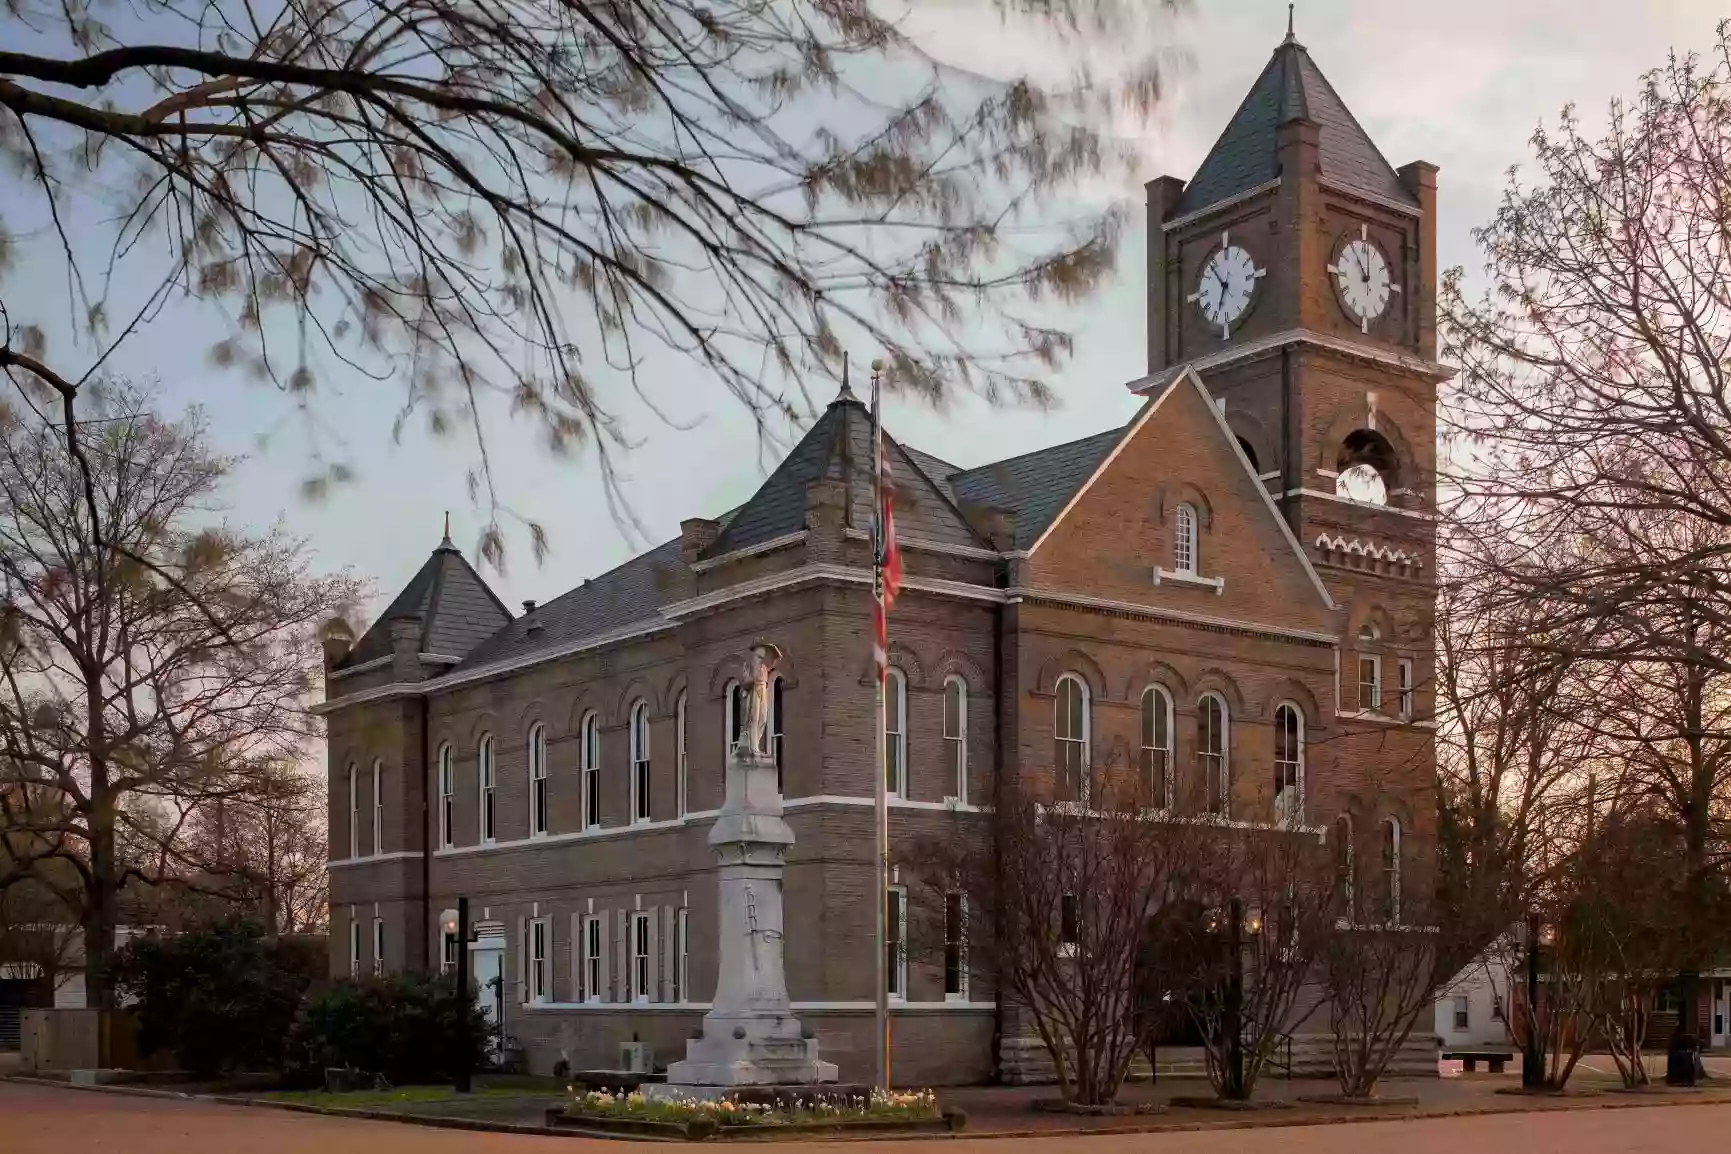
(219, 997)
(403, 1026)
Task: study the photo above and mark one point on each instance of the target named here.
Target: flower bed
(698, 1118)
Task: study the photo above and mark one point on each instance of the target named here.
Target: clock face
(1228, 280)
(1362, 279)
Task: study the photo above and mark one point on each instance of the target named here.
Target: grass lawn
(408, 1095)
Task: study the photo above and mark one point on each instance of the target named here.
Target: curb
(1268, 1120)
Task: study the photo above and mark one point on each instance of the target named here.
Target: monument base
(749, 1050)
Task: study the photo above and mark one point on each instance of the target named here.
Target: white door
(489, 959)
(1721, 1013)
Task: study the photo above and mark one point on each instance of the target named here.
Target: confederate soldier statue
(754, 722)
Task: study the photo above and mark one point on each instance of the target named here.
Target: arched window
(640, 761)
(1184, 539)
(489, 790)
(895, 733)
(775, 718)
(378, 806)
(354, 811)
(1213, 753)
(589, 763)
(679, 751)
(1391, 869)
(1346, 869)
(1365, 467)
(1156, 764)
(956, 735)
(537, 780)
(1288, 765)
(1070, 736)
(733, 698)
(447, 797)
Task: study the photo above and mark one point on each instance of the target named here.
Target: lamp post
(1533, 1055)
(456, 924)
(1239, 924)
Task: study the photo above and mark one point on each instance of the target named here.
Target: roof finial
(846, 394)
(1290, 38)
(446, 543)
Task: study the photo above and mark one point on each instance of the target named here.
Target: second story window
(378, 807)
(1070, 736)
(489, 791)
(956, 736)
(1391, 870)
(1156, 764)
(354, 811)
(1288, 765)
(640, 761)
(895, 733)
(538, 781)
(1184, 539)
(1213, 753)
(447, 798)
(775, 731)
(679, 785)
(590, 770)
(1406, 705)
(1369, 682)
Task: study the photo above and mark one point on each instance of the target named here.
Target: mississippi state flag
(889, 562)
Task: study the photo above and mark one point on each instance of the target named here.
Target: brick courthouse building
(1190, 584)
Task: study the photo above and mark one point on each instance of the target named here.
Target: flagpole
(880, 922)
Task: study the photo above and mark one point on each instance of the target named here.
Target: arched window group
(1383, 906)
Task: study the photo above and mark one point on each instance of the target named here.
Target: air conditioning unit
(636, 1058)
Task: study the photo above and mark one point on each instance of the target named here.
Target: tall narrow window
(538, 781)
(640, 761)
(681, 955)
(378, 946)
(679, 752)
(956, 947)
(589, 977)
(895, 941)
(354, 942)
(489, 791)
(540, 930)
(895, 733)
(1288, 765)
(1346, 869)
(1070, 736)
(1156, 763)
(1405, 672)
(1184, 539)
(590, 762)
(354, 812)
(1069, 924)
(641, 951)
(775, 723)
(733, 701)
(378, 807)
(447, 798)
(1369, 682)
(1391, 869)
(1213, 754)
(956, 736)
(447, 951)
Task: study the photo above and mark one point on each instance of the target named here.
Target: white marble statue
(754, 721)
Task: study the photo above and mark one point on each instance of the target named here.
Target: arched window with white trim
(679, 752)
(1288, 765)
(895, 732)
(1214, 753)
(378, 806)
(1156, 759)
(1391, 870)
(489, 814)
(956, 736)
(1070, 724)
(538, 780)
(354, 810)
(447, 798)
(1184, 543)
(640, 810)
(589, 768)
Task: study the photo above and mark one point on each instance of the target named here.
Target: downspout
(1000, 744)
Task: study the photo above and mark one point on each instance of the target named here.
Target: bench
(1470, 1058)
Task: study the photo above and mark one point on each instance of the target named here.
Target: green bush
(220, 997)
(402, 1026)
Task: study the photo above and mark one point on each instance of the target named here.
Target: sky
(1461, 84)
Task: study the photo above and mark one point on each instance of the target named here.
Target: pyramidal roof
(457, 610)
(1291, 87)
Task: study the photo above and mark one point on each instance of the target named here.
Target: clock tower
(1295, 272)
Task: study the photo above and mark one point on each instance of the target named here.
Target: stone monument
(750, 1036)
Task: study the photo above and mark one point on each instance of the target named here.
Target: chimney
(336, 638)
(696, 535)
(531, 620)
(406, 648)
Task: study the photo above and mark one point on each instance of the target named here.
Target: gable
(1119, 526)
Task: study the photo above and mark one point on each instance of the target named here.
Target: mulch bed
(706, 1129)
(1200, 1102)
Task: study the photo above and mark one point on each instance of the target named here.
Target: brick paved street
(42, 1120)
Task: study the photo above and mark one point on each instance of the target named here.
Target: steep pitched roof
(1035, 485)
(457, 609)
(1290, 87)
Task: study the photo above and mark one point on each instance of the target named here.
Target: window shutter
(668, 961)
(523, 959)
(576, 954)
(622, 956)
(654, 992)
(605, 993)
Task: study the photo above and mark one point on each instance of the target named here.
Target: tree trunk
(101, 917)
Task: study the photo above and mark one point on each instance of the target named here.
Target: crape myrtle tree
(134, 695)
(522, 203)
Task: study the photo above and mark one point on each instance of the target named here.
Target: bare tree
(264, 849)
(127, 699)
(521, 199)
(1379, 980)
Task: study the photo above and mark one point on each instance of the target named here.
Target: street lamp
(456, 925)
(1533, 1056)
(1239, 925)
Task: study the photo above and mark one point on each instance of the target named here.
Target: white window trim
(589, 976)
(1375, 703)
(1404, 687)
(900, 970)
(1087, 742)
(895, 681)
(540, 960)
(1169, 782)
(378, 807)
(486, 784)
(540, 824)
(589, 770)
(956, 745)
(1393, 832)
(638, 727)
(641, 979)
(448, 946)
(1295, 817)
(681, 764)
(354, 810)
(682, 954)
(447, 796)
(1173, 577)
(1223, 783)
(962, 948)
(1186, 542)
(354, 942)
(378, 947)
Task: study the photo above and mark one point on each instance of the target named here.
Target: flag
(887, 555)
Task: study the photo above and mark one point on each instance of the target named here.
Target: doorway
(1721, 1013)
(488, 956)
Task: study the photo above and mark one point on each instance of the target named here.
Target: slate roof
(457, 610)
(1036, 485)
(1290, 87)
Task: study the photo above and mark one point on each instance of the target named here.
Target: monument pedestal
(750, 1036)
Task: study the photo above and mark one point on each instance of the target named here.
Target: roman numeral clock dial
(1226, 286)
(1361, 279)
